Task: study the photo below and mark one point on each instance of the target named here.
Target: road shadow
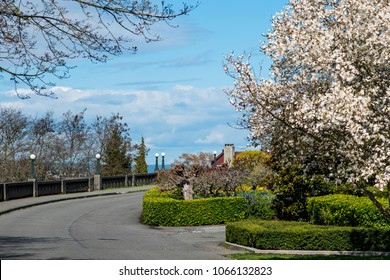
(18, 247)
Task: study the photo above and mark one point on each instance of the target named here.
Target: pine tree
(140, 162)
(117, 160)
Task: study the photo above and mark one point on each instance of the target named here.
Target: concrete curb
(306, 252)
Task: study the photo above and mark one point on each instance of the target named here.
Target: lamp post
(215, 159)
(162, 161)
(98, 156)
(32, 172)
(156, 167)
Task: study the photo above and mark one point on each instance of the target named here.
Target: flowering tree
(327, 103)
(202, 181)
(203, 159)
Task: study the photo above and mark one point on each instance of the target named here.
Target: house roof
(220, 158)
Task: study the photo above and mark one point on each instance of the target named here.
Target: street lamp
(32, 172)
(215, 159)
(163, 163)
(98, 156)
(156, 167)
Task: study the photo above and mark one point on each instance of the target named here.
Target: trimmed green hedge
(346, 210)
(283, 235)
(160, 208)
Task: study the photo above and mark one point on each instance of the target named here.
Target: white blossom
(329, 93)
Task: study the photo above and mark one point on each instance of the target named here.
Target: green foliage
(347, 188)
(161, 208)
(116, 157)
(346, 210)
(336, 256)
(286, 235)
(257, 166)
(292, 187)
(140, 161)
(258, 203)
(251, 158)
(379, 193)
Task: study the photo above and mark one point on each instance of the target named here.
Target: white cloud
(182, 119)
(183, 88)
(70, 94)
(214, 137)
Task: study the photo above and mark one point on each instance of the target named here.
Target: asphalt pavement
(206, 238)
(91, 226)
(16, 204)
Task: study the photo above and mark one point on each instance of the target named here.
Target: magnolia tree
(327, 103)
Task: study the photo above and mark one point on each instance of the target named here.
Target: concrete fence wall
(35, 188)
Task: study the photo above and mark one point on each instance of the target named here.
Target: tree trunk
(188, 192)
(385, 211)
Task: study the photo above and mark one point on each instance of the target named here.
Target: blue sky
(170, 92)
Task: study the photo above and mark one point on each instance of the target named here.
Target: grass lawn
(253, 256)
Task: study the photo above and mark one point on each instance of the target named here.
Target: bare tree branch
(40, 38)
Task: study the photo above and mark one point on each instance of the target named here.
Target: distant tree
(72, 142)
(140, 161)
(42, 137)
(201, 181)
(14, 128)
(251, 159)
(102, 128)
(41, 37)
(257, 165)
(64, 146)
(116, 158)
(111, 139)
(202, 159)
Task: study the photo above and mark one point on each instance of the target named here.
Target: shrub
(161, 208)
(286, 235)
(292, 187)
(258, 203)
(346, 210)
(257, 165)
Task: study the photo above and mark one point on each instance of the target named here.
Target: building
(227, 155)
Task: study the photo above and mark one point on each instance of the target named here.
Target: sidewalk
(16, 204)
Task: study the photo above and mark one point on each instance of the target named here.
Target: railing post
(90, 186)
(35, 187)
(63, 186)
(5, 192)
(97, 182)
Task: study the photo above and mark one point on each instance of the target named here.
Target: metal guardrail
(49, 187)
(114, 181)
(18, 190)
(35, 188)
(144, 179)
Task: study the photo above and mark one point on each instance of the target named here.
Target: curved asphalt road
(105, 228)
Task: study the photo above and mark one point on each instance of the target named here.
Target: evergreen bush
(346, 210)
(287, 235)
(161, 208)
(292, 187)
(258, 203)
